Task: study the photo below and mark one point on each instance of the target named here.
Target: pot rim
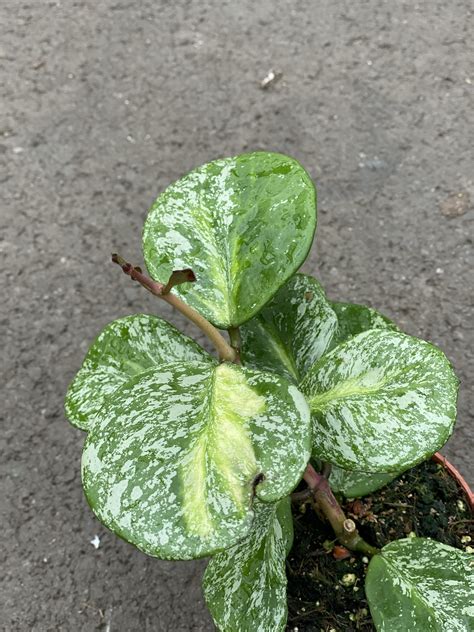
(454, 473)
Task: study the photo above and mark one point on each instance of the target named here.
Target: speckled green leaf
(420, 585)
(299, 325)
(285, 519)
(124, 348)
(357, 484)
(381, 402)
(292, 331)
(171, 465)
(245, 586)
(244, 225)
(353, 319)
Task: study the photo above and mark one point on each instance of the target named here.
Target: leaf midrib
(320, 401)
(344, 390)
(210, 427)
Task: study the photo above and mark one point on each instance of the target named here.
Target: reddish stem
(344, 528)
(225, 351)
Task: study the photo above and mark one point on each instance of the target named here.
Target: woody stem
(344, 528)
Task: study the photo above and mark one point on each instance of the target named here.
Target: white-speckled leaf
(126, 347)
(243, 224)
(420, 585)
(381, 402)
(292, 331)
(353, 319)
(356, 484)
(170, 465)
(245, 586)
(299, 325)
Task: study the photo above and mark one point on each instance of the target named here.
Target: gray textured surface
(102, 105)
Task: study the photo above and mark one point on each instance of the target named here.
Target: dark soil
(424, 501)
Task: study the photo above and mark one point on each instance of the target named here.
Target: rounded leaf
(126, 347)
(357, 484)
(419, 584)
(243, 224)
(299, 325)
(353, 319)
(292, 331)
(172, 464)
(245, 586)
(381, 402)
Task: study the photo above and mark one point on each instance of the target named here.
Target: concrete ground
(105, 102)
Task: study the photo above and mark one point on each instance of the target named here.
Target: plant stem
(224, 350)
(344, 528)
(235, 341)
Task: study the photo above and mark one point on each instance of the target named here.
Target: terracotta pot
(453, 472)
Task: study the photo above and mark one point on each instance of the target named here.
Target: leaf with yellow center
(228, 442)
(172, 462)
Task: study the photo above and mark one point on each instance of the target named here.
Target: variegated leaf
(244, 225)
(245, 586)
(353, 319)
(126, 347)
(172, 462)
(418, 585)
(356, 484)
(299, 325)
(292, 331)
(381, 402)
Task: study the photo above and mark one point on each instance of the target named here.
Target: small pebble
(348, 579)
(95, 542)
(271, 77)
(466, 539)
(469, 549)
(365, 560)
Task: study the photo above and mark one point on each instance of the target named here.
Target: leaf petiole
(224, 350)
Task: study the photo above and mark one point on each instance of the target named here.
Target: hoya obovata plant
(189, 455)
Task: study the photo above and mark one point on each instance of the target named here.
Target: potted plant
(191, 455)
